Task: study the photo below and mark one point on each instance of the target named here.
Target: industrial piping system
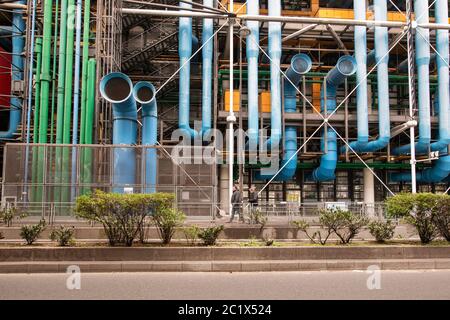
(300, 65)
(117, 89)
(144, 93)
(252, 59)
(441, 168)
(381, 56)
(422, 40)
(185, 51)
(17, 66)
(345, 67)
(207, 51)
(275, 75)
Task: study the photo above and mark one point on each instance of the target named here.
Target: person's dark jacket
(236, 198)
(253, 197)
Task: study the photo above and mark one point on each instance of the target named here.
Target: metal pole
(240, 153)
(231, 119)
(411, 94)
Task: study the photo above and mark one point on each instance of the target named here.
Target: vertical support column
(223, 186)
(369, 192)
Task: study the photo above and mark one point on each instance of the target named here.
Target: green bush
(419, 209)
(121, 215)
(303, 226)
(166, 221)
(345, 224)
(191, 234)
(381, 230)
(63, 235)
(258, 217)
(442, 217)
(31, 232)
(8, 214)
(210, 235)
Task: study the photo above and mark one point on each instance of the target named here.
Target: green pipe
(61, 72)
(37, 99)
(69, 71)
(55, 45)
(90, 106)
(90, 102)
(45, 72)
(84, 70)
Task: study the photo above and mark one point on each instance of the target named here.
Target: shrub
(346, 224)
(31, 232)
(303, 226)
(259, 218)
(210, 235)
(381, 230)
(63, 235)
(121, 215)
(7, 215)
(417, 209)
(166, 221)
(191, 234)
(442, 217)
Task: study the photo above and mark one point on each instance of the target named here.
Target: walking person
(253, 201)
(236, 200)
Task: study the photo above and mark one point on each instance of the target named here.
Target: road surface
(258, 285)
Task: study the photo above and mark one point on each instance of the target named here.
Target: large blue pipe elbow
(345, 67)
(252, 59)
(437, 173)
(422, 40)
(207, 52)
(300, 65)
(381, 57)
(144, 93)
(17, 65)
(117, 89)
(275, 74)
(361, 77)
(185, 52)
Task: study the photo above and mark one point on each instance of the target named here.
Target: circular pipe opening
(116, 87)
(346, 65)
(301, 63)
(144, 92)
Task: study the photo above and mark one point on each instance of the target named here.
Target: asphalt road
(241, 286)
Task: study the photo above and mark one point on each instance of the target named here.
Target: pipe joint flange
(231, 119)
(125, 118)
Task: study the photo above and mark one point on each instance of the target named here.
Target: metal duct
(361, 77)
(144, 93)
(345, 67)
(17, 65)
(441, 168)
(275, 75)
(382, 58)
(300, 65)
(185, 52)
(422, 39)
(207, 51)
(252, 59)
(117, 89)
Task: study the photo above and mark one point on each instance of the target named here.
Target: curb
(224, 266)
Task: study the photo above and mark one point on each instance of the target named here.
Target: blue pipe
(144, 93)
(185, 52)
(382, 59)
(442, 94)
(17, 66)
(441, 169)
(208, 26)
(275, 75)
(300, 65)
(361, 77)
(423, 69)
(252, 60)
(345, 67)
(117, 88)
